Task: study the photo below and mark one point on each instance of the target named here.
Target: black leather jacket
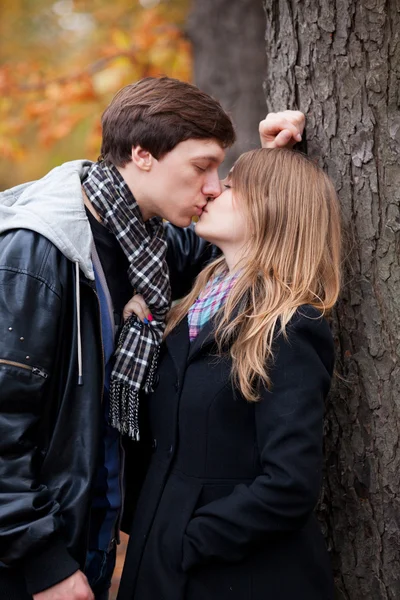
(49, 425)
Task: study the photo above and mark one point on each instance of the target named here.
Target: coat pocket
(215, 491)
(23, 367)
(214, 579)
(219, 582)
(174, 513)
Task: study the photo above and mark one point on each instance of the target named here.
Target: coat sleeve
(30, 538)
(289, 427)
(187, 254)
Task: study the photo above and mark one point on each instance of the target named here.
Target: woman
(226, 510)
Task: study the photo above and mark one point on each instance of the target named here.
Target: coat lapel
(178, 345)
(180, 348)
(205, 337)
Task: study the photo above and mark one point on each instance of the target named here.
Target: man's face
(179, 184)
(224, 221)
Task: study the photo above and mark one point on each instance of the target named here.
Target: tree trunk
(339, 62)
(229, 62)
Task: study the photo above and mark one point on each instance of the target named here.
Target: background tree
(339, 62)
(229, 62)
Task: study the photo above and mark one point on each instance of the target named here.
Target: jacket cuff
(190, 556)
(48, 567)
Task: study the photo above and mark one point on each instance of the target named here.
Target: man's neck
(141, 198)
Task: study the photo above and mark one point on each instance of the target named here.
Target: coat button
(156, 380)
(176, 386)
(170, 450)
(154, 444)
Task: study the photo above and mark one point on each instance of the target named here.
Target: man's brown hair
(157, 113)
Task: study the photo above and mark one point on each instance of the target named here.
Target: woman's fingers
(137, 306)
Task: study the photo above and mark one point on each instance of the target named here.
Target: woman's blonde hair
(292, 258)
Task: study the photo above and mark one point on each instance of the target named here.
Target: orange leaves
(58, 129)
(5, 80)
(66, 59)
(121, 40)
(160, 43)
(71, 91)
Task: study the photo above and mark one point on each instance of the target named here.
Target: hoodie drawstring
(78, 318)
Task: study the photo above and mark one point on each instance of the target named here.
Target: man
(73, 247)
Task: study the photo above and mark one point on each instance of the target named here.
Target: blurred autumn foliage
(61, 63)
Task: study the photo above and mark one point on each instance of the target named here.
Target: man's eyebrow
(210, 158)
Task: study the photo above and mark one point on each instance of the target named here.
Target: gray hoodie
(53, 206)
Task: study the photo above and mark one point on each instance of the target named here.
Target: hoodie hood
(53, 206)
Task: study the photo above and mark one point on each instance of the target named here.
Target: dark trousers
(99, 569)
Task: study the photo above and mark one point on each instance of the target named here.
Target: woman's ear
(142, 158)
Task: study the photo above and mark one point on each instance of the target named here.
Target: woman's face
(223, 220)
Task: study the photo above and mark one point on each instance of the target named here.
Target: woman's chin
(201, 231)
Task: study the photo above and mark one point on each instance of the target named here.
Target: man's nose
(212, 185)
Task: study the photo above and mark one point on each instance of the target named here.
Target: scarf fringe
(124, 409)
(124, 402)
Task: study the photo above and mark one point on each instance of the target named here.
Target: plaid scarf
(209, 301)
(145, 247)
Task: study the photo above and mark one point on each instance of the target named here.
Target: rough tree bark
(339, 62)
(229, 62)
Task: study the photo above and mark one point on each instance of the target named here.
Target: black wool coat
(226, 510)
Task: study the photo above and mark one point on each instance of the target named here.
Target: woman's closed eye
(226, 183)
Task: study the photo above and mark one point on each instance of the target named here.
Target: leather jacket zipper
(103, 362)
(34, 370)
(92, 286)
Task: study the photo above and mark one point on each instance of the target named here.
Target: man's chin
(181, 221)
